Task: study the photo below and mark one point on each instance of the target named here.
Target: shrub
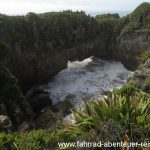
(146, 56)
(126, 29)
(138, 20)
(110, 119)
(130, 114)
(126, 89)
(100, 18)
(140, 15)
(34, 140)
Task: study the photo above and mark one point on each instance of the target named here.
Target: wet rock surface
(63, 107)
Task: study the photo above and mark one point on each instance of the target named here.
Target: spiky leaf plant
(132, 113)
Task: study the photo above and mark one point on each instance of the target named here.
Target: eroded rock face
(12, 102)
(63, 107)
(37, 43)
(38, 46)
(33, 68)
(39, 100)
(141, 77)
(130, 46)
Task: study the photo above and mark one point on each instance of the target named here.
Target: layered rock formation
(134, 38)
(131, 46)
(37, 46)
(12, 101)
(141, 77)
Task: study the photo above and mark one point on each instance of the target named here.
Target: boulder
(25, 126)
(45, 120)
(63, 107)
(5, 123)
(4, 120)
(39, 100)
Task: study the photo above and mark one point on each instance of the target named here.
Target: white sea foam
(87, 79)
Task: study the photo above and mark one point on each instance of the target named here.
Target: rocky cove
(35, 47)
(87, 79)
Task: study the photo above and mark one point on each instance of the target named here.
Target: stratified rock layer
(37, 46)
(141, 77)
(12, 101)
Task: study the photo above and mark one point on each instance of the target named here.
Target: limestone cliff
(141, 77)
(130, 47)
(38, 46)
(12, 101)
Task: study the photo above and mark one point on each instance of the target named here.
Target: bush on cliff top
(146, 56)
(140, 16)
(54, 30)
(108, 31)
(100, 18)
(127, 89)
(139, 19)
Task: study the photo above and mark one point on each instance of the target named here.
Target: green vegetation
(55, 30)
(140, 16)
(130, 113)
(139, 19)
(127, 89)
(100, 18)
(35, 140)
(123, 113)
(59, 30)
(108, 25)
(146, 56)
(143, 57)
(110, 119)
